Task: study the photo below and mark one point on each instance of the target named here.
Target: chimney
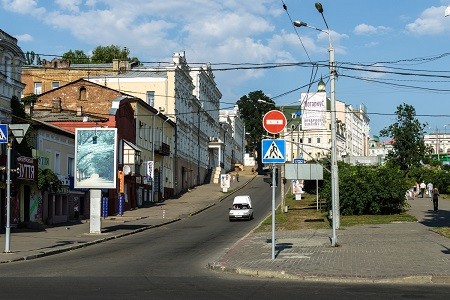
(115, 64)
(56, 105)
(79, 111)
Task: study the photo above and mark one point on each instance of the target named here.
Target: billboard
(313, 109)
(95, 158)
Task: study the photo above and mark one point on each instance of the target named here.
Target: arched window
(82, 94)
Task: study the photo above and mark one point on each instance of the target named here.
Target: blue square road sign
(3, 133)
(273, 151)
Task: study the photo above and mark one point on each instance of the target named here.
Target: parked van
(242, 208)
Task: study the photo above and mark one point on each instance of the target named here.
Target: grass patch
(444, 231)
(303, 214)
(347, 221)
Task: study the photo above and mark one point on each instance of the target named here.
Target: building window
(309, 140)
(82, 94)
(151, 98)
(70, 166)
(318, 140)
(38, 88)
(55, 84)
(301, 141)
(57, 166)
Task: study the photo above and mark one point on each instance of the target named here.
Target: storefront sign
(43, 157)
(26, 168)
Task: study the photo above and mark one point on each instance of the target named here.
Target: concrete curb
(440, 280)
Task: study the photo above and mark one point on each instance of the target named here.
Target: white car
(241, 209)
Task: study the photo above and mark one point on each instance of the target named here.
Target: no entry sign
(274, 121)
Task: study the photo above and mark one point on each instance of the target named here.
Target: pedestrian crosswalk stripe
(273, 152)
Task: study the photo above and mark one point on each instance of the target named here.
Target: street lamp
(334, 166)
(161, 109)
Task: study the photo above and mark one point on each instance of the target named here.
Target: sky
(387, 52)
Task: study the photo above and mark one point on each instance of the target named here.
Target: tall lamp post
(334, 166)
(18, 132)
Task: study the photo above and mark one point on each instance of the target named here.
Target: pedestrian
(430, 189)
(435, 198)
(415, 189)
(422, 188)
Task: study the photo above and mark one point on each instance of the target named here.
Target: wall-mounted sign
(26, 167)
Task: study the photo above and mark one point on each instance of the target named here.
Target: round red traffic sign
(274, 121)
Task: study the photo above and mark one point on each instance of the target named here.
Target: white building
(230, 119)
(190, 98)
(439, 141)
(11, 61)
(352, 132)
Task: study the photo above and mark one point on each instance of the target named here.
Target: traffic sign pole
(8, 198)
(273, 210)
(274, 122)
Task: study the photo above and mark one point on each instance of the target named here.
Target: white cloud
(24, 7)
(365, 29)
(336, 39)
(209, 31)
(24, 37)
(377, 71)
(70, 5)
(372, 44)
(431, 21)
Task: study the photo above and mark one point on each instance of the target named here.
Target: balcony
(162, 149)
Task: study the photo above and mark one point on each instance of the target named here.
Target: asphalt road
(170, 263)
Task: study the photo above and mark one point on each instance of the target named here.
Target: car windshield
(240, 206)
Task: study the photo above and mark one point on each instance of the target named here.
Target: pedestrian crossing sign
(273, 151)
(3, 133)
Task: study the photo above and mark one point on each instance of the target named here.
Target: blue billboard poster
(95, 158)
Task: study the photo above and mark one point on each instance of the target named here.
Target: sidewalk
(28, 244)
(386, 253)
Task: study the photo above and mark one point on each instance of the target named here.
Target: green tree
(32, 58)
(106, 54)
(76, 57)
(252, 108)
(371, 190)
(48, 181)
(101, 54)
(409, 148)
